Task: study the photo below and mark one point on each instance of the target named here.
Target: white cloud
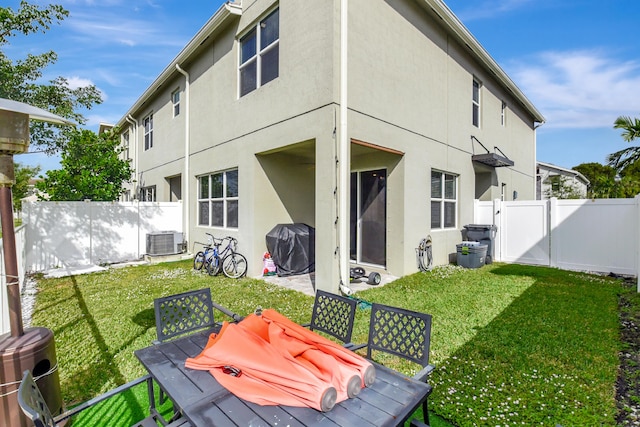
(75, 82)
(580, 88)
(490, 8)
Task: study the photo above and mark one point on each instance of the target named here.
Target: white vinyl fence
(68, 234)
(599, 235)
(4, 304)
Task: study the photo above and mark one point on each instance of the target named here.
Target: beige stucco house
(378, 127)
(556, 181)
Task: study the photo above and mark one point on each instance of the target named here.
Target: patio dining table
(389, 401)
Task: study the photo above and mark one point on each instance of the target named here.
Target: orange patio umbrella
(269, 360)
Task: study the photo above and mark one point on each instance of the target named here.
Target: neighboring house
(248, 128)
(556, 181)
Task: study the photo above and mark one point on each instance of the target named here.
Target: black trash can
(485, 234)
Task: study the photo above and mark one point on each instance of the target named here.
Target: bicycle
(208, 258)
(234, 264)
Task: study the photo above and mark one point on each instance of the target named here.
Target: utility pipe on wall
(134, 123)
(186, 177)
(344, 161)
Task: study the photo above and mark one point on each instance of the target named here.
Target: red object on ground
(270, 360)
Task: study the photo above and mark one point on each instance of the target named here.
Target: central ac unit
(164, 243)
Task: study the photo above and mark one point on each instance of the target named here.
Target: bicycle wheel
(213, 266)
(198, 261)
(234, 265)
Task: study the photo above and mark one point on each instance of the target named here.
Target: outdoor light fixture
(33, 349)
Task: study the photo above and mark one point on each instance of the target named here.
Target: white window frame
(209, 199)
(503, 114)
(125, 145)
(257, 57)
(147, 124)
(443, 200)
(175, 100)
(476, 100)
(148, 194)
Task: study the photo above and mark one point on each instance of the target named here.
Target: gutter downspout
(129, 118)
(344, 161)
(187, 149)
(134, 123)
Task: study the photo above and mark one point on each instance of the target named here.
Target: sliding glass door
(369, 217)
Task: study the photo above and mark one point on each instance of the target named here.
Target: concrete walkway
(306, 282)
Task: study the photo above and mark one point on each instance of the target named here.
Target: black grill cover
(292, 248)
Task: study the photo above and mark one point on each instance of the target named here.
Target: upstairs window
(260, 54)
(476, 103)
(503, 114)
(175, 100)
(148, 131)
(444, 200)
(125, 145)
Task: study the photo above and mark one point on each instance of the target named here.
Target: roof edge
(229, 9)
(465, 36)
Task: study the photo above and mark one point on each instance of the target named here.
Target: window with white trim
(125, 145)
(175, 100)
(148, 131)
(444, 200)
(218, 199)
(476, 103)
(148, 194)
(503, 114)
(260, 54)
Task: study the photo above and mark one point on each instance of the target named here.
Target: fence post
(552, 218)
(637, 200)
(497, 221)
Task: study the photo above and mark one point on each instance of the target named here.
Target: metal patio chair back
(35, 407)
(334, 315)
(182, 313)
(403, 333)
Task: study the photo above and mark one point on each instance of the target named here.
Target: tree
(19, 79)
(630, 131)
(561, 187)
(91, 169)
(602, 179)
(20, 190)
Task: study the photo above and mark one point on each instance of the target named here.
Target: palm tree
(630, 131)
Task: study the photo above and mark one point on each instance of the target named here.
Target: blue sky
(578, 61)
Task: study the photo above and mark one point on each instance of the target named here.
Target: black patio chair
(403, 333)
(334, 315)
(185, 313)
(35, 407)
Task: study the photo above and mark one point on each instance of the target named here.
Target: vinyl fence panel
(599, 235)
(595, 235)
(64, 234)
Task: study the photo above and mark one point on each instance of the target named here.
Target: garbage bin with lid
(485, 235)
(471, 254)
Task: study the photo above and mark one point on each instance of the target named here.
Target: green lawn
(512, 344)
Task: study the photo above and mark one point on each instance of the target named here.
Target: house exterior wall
(409, 112)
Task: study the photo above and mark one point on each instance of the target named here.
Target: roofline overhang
(463, 35)
(559, 169)
(226, 11)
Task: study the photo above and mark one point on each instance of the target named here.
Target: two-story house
(366, 119)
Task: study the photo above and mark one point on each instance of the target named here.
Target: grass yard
(512, 344)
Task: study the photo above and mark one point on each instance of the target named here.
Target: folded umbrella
(332, 361)
(253, 369)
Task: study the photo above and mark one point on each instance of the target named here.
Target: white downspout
(344, 161)
(187, 148)
(134, 125)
